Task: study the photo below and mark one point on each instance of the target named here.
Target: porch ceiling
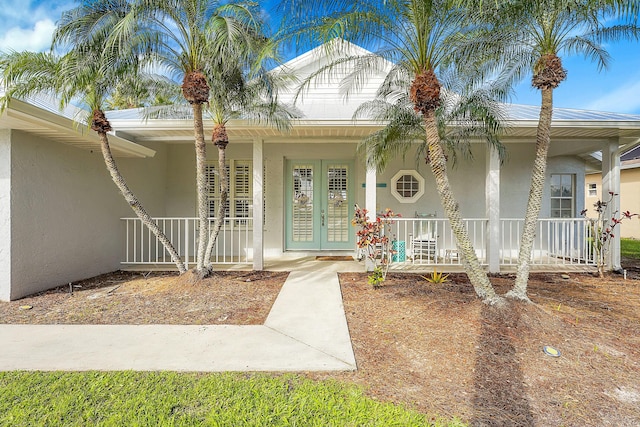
(181, 131)
(568, 129)
(37, 121)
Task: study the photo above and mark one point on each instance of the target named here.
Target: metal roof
(514, 112)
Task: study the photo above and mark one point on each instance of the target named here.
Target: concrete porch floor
(308, 262)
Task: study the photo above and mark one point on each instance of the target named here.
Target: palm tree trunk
(224, 196)
(543, 140)
(202, 186)
(477, 276)
(135, 204)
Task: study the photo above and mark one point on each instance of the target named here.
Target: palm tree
(420, 38)
(87, 75)
(243, 93)
(533, 35)
(190, 38)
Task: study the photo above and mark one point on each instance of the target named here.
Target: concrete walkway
(306, 330)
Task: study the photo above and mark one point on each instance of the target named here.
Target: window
(240, 200)
(562, 195)
(407, 186)
(593, 190)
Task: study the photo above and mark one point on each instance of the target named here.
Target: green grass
(630, 248)
(178, 399)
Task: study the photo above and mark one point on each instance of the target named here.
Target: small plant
(436, 277)
(602, 230)
(376, 277)
(375, 243)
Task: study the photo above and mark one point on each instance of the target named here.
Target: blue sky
(28, 25)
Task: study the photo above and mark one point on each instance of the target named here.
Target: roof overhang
(569, 137)
(20, 115)
(181, 131)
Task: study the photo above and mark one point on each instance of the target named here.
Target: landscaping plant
(602, 230)
(375, 243)
(436, 277)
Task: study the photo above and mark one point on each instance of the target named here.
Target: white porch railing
(430, 241)
(558, 241)
(234, 244)
(426, 241)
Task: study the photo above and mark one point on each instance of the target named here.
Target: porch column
(258, 204)
(611, 183)
(492, 204)
(370, 192)
(5, 215)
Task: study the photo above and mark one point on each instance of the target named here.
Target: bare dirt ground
(436, 348)
(226, 298)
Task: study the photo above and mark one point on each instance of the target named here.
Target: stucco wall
(5, 214)
(467, 179)
(181, 195)
(66, 211)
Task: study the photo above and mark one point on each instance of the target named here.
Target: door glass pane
(338, 221)
(302, 209)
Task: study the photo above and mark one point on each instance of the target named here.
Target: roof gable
(324, 98)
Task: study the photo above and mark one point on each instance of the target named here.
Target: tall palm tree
(420, 37)
(533, 35)
(185, 37)
(87, 75)
(240, 92)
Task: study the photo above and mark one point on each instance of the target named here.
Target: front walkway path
(306, 330)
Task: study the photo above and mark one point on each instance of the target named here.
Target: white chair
(424, 241)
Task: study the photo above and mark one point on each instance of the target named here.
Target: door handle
(322, 217)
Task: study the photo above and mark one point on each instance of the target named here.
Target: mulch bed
(440, 350)
(228, 298)
(434, 347)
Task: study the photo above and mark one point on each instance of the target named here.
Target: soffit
(40, 122)
(568, 137)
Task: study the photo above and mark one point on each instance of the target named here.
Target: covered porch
(420, 244)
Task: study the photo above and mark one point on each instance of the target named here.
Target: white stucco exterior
(65, 212)
(5, 214)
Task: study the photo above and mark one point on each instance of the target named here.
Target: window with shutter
(240, 201)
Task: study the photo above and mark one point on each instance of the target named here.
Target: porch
(420, 245)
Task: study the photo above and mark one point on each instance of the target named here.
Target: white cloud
(37, 38)
(28, 24)
(624, 99)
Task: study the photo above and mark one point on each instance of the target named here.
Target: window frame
(557, 212)
(400, 175)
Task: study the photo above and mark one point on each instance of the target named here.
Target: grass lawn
(630, 248)
(187, 399)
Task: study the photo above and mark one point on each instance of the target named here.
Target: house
(63, 219)
(629, 195)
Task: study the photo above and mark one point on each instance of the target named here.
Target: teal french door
(319, 198)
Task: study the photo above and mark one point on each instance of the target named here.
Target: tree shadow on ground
(500, 397)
